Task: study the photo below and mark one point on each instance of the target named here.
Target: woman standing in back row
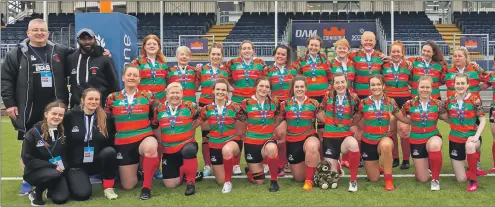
(244, 70)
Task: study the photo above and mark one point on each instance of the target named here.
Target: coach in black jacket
(89, 68)
(33, 75)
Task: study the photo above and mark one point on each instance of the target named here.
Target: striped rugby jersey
(152, 76)
(432, 69)
(374, 127)
(188, 80)
(462, 128)
(348, 69)
(365, 68)
(317, 72)
(397, 79)
(259, 129)
(300, 118)
(280, 80)
(134, 126)
(239, 71)
(336, 126)
(174, 138)
(217, 137)
(207, 76)
(491, 81)
(476, 76)
(424, 119)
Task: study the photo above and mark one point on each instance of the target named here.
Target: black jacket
(17, 79)
(100, 70)
(35, 156)
(75, 129)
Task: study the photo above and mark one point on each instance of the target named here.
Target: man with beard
(90, 68)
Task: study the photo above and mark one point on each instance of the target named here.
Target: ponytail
(101, 118)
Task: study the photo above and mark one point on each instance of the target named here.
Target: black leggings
(51, 179)
(78, 178)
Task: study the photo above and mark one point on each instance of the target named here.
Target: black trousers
(51, 179)
(78, 178)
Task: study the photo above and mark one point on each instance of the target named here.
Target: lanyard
(130, 107)
(47, 149)
(424, 114)
(396, 73)
(224, 113)
(369, 61)
(298, 109)
(343, 64)
(247, 69)
(172, 118)
(44, 61)
(340, 107)
(281, 73)
(182, 75)
(263, 111)
(313, 63)
(378, 113)
(213, 73)
(153, 68)
(427, 69)
(460, 110)
(88, 136)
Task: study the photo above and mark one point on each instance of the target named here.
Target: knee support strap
(190, 150)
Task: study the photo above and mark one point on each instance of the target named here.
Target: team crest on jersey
(40, 143)
(119, 156)
(94, 70)
(57, 59)
(75, 129)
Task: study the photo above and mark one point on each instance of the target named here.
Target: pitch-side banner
(116, 32)
(197, 45)
(331, 32)
(473, 44)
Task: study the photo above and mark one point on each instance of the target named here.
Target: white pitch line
(290, 176)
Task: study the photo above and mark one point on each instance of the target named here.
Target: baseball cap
(86, 31)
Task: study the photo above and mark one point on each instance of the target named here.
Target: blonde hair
(183, 49)
(342, 42)
(425, 78)
(174, 85)
(101, 116)
(216, 45)
(465, 51)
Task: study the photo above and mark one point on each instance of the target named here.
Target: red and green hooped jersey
(152, 76)
(135, 126)
(239, 71)
(218, 138)
(260, 129)
(476, 76)
(365, 69)
(318, 77)
(461, 129)
(280, 81)
(432, 69)
(337, 66)
(173, 139)
(188, 81)
(207, 76)
(423, 119)
(300, 118)
(374, 129)
(491, 81)
(336, 126)
(396, 79)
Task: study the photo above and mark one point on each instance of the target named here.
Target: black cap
(86, 31)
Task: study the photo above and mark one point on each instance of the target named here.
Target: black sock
(405, 162)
